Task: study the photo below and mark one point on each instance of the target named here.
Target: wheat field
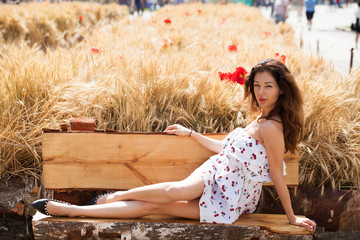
(132, 74)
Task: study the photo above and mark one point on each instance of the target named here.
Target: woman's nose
(261, 91)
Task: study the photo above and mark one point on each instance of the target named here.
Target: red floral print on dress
(231, 190)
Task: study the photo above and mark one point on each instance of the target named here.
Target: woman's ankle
(59, 209)
(110, 197)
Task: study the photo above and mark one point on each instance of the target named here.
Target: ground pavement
(330, 29)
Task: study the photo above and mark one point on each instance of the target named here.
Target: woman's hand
(178, 130)
(304, 222)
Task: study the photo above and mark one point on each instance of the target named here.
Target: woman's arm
(211, 144)
(272, 135)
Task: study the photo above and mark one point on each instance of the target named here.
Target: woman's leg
(185, 209)
(120, 209)
(161, 198)
(127, 209)
(187, 189)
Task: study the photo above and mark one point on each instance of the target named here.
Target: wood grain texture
(93, 160)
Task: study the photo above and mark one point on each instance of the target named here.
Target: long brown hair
(289, 105)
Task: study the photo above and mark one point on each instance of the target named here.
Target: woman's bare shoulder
(273, 136)
(271, 127)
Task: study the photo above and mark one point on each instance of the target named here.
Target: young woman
(229, 183)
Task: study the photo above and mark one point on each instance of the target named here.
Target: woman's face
(266, 91)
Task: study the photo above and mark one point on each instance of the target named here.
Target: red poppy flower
(95, 50)
(86, 10)
(232, 48)
(237, 77)
(281, 58)
(167, 20)
(267, 33)
(188, 14)
(165, 43)
(199, 11)
(223, 20)
(80, 17)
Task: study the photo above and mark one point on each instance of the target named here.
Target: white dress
(233, 178)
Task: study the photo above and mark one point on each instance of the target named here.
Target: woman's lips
(262, 100)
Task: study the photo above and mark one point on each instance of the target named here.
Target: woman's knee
(176, 191)
(187, 189)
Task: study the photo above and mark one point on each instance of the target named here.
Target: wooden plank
(248, 226)
(95, 160)
(277, 223)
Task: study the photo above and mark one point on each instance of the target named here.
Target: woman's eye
(269, 86)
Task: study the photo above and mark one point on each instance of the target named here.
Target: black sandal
(41, 205)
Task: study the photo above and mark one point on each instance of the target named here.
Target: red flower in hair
(232, 48)
(95, 50)
(237, 77)
(167, 20)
